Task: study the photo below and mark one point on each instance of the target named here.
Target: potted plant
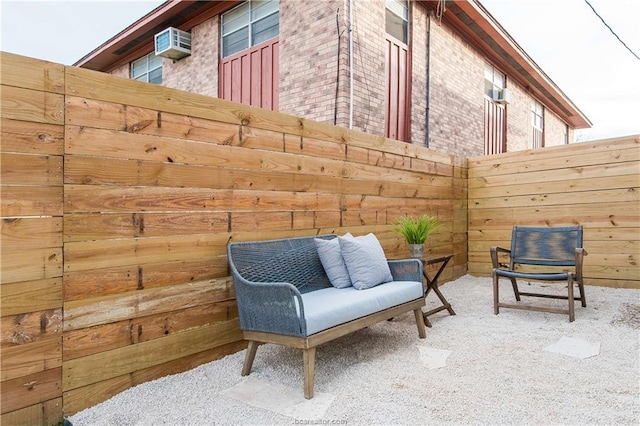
(416, 230)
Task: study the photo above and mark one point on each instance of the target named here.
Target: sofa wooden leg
(249, 357)
(309, 356)
(422, 332)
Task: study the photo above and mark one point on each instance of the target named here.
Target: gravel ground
(497, 373)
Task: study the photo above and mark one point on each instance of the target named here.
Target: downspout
(350, 64)
(428, 83)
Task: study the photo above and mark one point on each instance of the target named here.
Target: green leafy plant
(416, 230)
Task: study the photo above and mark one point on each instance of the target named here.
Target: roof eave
(137, 39)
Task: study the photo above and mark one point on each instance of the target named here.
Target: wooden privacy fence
(596, 184)
(118, 201)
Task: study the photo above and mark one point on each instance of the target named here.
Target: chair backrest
(545, 246)
(293, 260)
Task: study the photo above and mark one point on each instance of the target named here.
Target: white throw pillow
(365, 260)
(332, 261)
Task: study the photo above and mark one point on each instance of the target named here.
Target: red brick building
(438, 73)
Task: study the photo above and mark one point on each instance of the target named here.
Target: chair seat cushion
(329, 307)
(553, 276)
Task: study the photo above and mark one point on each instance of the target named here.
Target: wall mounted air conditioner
(173, 43)
(504, 96)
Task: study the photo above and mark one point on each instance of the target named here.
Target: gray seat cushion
(329, 307)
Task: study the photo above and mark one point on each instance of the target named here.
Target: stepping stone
(577, 348)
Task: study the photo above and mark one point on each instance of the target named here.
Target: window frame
(248, 25)
(404, 5)
(147, 58)
(492, 80)
(537, 124)
(537, 112)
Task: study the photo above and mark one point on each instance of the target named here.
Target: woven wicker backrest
(545, 246)
(292, 260)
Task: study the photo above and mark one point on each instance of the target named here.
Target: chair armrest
(580, 253)
(494, 257)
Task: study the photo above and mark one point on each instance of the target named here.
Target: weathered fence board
(31, 389)
(108, 364)
(102, 282)
(31, 138)
(103, 310)
(29, 73)
(31, 296)
(45, 413)
(23, 360)
(31, 105)
(31, 264)
(30, 233)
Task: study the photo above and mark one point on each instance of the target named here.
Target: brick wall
(419, 70)
(369, 46)
(309, 59)
(456, 94)
(519, 128)
(122, 71)
(197, 73)
(554, 129)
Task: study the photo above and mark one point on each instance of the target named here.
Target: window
(494, 81)
(537, 122)
(147, 69)
(397, 19)
(536, 115)
(248, 24)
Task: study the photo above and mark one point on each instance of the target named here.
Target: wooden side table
(432, 284)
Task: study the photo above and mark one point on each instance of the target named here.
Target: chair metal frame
(541, 247)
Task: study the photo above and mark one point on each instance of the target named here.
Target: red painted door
(495, 126)
(251, 76)
(398, 76)
(538, 138)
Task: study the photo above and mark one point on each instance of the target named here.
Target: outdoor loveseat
(285, 296)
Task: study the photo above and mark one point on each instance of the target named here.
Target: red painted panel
(398, 75)
(251, 76)
(538, 138)
(245, 79)
(494, 127)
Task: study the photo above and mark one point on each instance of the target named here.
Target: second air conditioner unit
(502, 96)
(173, 43)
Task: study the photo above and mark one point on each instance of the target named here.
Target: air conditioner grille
(173, 43)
